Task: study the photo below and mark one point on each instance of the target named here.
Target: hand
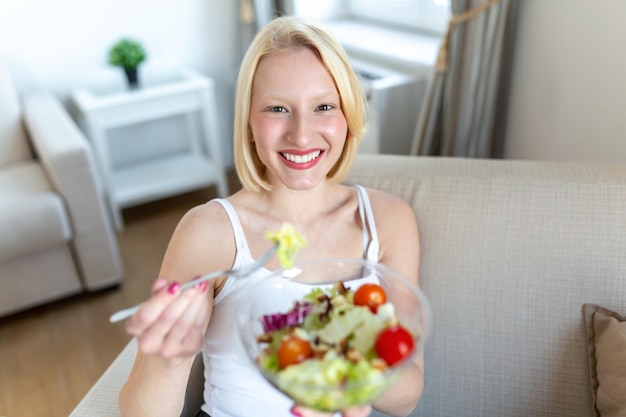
(171, 323)
(301, 411)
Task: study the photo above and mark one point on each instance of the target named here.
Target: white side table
(107, 105)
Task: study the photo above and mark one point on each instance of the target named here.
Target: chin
(302, 185)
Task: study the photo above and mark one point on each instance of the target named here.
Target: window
(430, 15)
(401, 33)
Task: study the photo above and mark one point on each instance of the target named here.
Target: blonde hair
(285, 33)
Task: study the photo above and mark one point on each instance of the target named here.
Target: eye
(276, 109)
(325, 107)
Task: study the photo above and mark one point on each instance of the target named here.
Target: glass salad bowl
(334, 333)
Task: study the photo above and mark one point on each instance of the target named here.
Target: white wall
(58, 44)
(568, 86)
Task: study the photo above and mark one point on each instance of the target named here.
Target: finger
(151, 339)
(152, 309)
(301, 411)
(159, 284)
(187, 334)
(362, 411)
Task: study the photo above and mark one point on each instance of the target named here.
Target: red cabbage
(295, 316)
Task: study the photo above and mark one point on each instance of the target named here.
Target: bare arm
(399, 249)
(170, 327)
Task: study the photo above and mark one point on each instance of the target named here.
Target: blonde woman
(299, 118)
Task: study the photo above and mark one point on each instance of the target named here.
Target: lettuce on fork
(289, 243)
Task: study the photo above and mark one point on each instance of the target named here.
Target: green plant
(127, 53)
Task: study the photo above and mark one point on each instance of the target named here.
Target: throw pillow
(606, 346)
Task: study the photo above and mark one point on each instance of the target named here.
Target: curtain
(255, 14)
(458, 117)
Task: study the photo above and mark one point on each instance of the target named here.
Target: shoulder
(203, 240)
(397, 230)
(206, 220)
(389, 207)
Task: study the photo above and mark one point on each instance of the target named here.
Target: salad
(289, 243)
(331, 349)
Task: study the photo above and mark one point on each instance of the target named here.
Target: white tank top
(233, 387)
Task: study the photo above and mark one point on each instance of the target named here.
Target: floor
(51, 355)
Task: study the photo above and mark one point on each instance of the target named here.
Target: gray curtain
(255, 14)
(459, 115)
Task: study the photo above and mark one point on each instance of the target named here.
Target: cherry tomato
(293, 350)
(370, 295)
(393, 344)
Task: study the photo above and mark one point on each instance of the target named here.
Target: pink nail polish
(173, 288)
(201, 286)
(295, 412)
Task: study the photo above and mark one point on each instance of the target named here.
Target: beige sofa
(56, 238)
(510, 252)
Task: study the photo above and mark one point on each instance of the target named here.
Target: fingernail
(201, 286)
(173, 288)
(295, 412)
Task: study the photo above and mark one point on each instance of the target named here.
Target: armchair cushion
(30, 224)
(32, 216)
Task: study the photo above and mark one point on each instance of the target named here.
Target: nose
(300, 129)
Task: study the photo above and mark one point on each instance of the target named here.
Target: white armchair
(56, 235)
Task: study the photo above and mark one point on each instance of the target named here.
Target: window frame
(426, 15)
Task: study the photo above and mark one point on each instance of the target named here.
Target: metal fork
(239, 272)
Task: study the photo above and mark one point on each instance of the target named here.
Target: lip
(301, 159)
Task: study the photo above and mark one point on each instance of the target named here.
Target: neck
(303, 206)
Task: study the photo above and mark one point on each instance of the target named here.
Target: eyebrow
(315, 98)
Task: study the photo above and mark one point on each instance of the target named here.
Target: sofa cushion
(606, 338)
(13, 143)
(32, 217)
(509, 252)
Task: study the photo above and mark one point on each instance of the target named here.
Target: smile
(301, 159)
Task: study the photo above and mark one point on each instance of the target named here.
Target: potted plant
(128, 54)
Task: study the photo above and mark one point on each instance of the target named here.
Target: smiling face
(296, 119)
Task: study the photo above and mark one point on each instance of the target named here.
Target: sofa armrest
(102, 398)
(67, 159)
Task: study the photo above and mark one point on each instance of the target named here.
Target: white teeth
(301, 159)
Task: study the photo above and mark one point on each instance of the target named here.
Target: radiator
(394, 101)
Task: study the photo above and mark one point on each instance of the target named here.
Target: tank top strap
(371, 245)
(240, 237)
